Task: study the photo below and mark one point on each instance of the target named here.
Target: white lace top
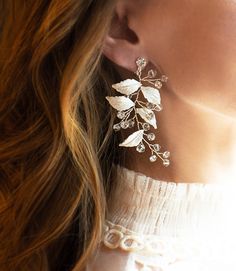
(154, 225)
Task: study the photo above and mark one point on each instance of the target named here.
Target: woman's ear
(122, 45)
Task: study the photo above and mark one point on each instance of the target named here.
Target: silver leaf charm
(120, 103)
(133, 140)
(151, 94)
(127, 87)
(148, 116)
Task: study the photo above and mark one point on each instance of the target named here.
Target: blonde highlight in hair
(56, 143)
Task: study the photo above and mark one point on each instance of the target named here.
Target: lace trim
(151, 251)
(117, 236)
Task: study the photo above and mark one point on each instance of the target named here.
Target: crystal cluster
(124, 124)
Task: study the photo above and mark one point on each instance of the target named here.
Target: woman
(69, 193)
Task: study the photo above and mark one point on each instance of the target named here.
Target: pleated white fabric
(155, 225)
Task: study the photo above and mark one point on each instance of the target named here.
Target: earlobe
(122, 45)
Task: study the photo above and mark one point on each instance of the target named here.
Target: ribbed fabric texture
(157, 225)
(151, 206)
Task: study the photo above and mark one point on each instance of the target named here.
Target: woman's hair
(56, 142)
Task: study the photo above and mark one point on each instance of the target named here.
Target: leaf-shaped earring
(134, 112)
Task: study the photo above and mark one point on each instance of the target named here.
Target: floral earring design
(133, 112)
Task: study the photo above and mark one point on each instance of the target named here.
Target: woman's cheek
(196, 47)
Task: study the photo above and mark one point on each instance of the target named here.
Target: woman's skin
(194, 43)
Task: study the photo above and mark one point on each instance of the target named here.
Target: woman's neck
(202, 144)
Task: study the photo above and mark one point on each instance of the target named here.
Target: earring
(133, 112)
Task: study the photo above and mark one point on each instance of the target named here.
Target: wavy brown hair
(56, 143)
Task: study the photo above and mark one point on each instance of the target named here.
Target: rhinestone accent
(164, 78)
(131, 123)
(158, 84)
(156, 147)
(146, 127)
(151, 137)
(141, 62)
(166, 154)
(140, 148)
(120, 114)
(166, 162)
(116, 127)
(153, 158)
(124, 124)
